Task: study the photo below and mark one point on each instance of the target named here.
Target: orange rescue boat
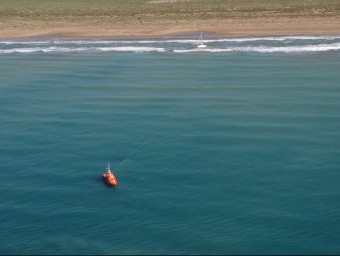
(109, 177)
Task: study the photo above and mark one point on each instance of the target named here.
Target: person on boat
(109, 173)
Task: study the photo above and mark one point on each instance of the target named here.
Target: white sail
(200, 42)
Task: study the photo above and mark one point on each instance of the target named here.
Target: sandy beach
(229, 145)
(211, 28)
(168, 19)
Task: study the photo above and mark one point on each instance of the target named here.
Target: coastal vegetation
(20, 16)
(151, 10)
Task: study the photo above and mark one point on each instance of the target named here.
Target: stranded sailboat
(200, 44)
(109, 177)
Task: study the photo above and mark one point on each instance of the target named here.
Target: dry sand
(153, 20)
(163, 29)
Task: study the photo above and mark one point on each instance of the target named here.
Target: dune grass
(153, 10)
(152, 18)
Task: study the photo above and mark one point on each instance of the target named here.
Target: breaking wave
(279, 44)
(54, 49)
(269, 49)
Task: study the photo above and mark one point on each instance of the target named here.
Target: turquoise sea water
(234, 149)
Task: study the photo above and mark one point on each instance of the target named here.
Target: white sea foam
(54, 49)
(51, 49)
(217, 48)
(179, 41)
(269, 49)
(25, 42)
(276, 38)
(131, 49)
(293, 49)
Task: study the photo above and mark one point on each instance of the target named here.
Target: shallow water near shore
(238, 146)
(279, 44)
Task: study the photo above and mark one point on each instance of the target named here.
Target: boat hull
(110, 180)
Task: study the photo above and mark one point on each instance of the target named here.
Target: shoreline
(229, 28)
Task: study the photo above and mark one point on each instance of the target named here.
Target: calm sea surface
(233, 149)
